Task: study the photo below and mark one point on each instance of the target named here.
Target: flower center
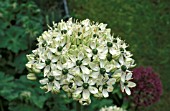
(102, 70)
(59, 48)
(109, 57)
(126, 83)
(36, 56)
(51, 78)
(94, 35)
(48, 61)
(70, 85)
(64, 71)
(85, 85)
(124, 68)
(44, 44)
(78, 62)
(121, 50)
(64, 31)
(109, 44)
(95, 51)
(105, 86)
(79, 33)
(115, 41)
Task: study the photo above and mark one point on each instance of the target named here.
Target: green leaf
(14, 39)
(14, 106)
(7, 87)
(39, 100)
(19, 62)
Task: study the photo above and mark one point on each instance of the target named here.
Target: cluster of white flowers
(112, 108)
(81, 58)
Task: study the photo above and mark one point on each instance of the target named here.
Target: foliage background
(144, 24)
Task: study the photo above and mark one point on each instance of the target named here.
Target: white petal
(100, 88)
(80, 56)
(69, 77)
(85, 70)
(85, 62)
(122, 86)
(62, 43)
(93, 45)
(46, 70)
(86, 94)
(89, 55)
(57, 85)
(70, 64)
(127, 90)
(54, 59)
(111, 81)
(44, 81)
(105, 93)
(85, 78)
(129, 76)
(131, 84)
(123, 77)
(77, 70)
(73, 59)
(113, 51)
(94, 66)
(49, 87)
(56, 73)
(108, 67)
(102, 55)
(121, 60)
(79, 82)
(53, 66)
(40, 65)
(49, 55)
(29, 65)
(117, 65)
(88, 49)
(105, 51)
(100, 48)
(110, 88)
(102, 64)
(92, 82)
(59, 66)
(78, 90)
(65, 88)
(95, 75)
(53, 50)
(116, 74)
(93, 90)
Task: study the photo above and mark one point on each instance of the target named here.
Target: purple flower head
(148, 86)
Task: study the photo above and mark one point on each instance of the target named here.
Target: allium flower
(149, 87)
(112, 108)
(86, 86)
(81, 58)
(126, 83)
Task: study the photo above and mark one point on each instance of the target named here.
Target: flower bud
(31, 76)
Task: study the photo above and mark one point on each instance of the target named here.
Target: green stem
(136, 108)
(78, 106)
(1, 106)
(116, 98)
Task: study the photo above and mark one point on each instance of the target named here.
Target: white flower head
(81, 58)
(112, 108)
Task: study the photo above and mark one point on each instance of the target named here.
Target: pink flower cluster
(148, 86)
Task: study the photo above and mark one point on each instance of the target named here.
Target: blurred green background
(144, 24)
